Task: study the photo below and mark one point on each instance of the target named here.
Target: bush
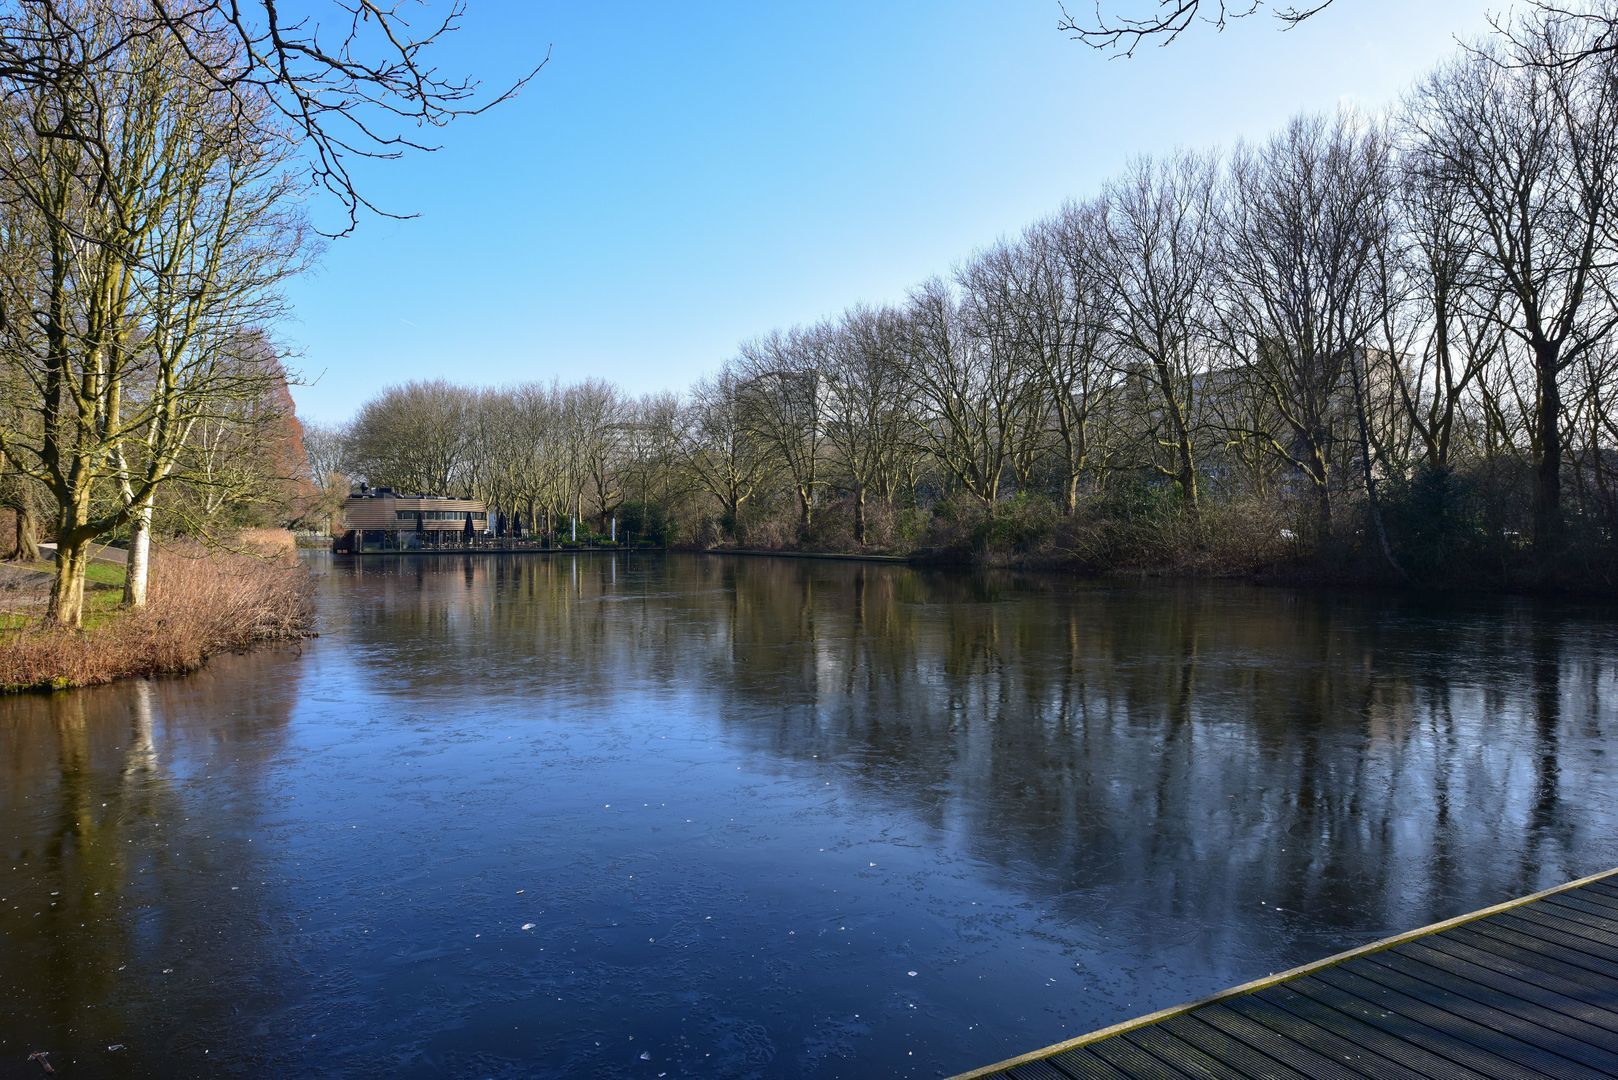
(1438, 527)
(646, 522)
(1135, 521)
(963, 527)
(832, 528)
(765, 528)
(1024, 525)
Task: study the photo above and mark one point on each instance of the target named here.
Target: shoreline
(124, 644)
(202, 603)
(1299, 576)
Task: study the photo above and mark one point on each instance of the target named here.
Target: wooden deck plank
(1403, 1029)
(1571, 922)
(1596, 991)
(1588, 900)
(1490, 1030)
(1525, 1001)
(1163, 1056)
(1238, 1058)
(1570, 957)
(1349, 1055)
(1559, 931)
(1594, 927)
(1297, 1055)
(1044, 1070)
(1085, 1065)
(1543, 989)
(1606, 888)
(1525, 988)
(1402, 1055)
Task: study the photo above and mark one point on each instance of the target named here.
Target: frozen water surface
(701, 816)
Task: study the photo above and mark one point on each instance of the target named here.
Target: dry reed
(201, 602)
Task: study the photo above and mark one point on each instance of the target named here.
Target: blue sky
(675, 181)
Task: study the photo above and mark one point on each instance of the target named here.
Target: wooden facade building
(381, 519)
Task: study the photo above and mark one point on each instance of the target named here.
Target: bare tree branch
(1122, 34)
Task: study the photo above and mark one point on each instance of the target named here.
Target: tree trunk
(138, 570)
(1186, 472)
(1548, 471)
(859, 514)
(66, 606)
(1367, 464)
(1322, 479)
(25, 542)
(1188, 484)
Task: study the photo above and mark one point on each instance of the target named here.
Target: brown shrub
(268, 541)
(200, 602)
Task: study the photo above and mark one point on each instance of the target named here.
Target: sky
(679, 178)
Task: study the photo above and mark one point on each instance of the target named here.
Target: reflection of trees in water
(1175, 749)
(104, 842)
(1223, 744)
(71, 782)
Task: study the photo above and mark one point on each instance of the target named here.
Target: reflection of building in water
(385, 520)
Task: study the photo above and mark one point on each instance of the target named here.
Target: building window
(439, 515)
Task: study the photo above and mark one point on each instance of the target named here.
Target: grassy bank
(201, 602)
(24, 586)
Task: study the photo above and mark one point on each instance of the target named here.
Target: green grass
(108, 575)
(100, 575)
(103, 605)
(103, 594)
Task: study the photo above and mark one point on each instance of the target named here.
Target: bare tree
(535, 446)
(1306, 212)
(1531, 150)
(962, 367)
(144, 240)
(1592, 34)
(347, 81)
(1161, 22)
(651, 449)
(1438, 295)
(866, 416)
(593, 415)
(727, 459)
(1158, 257)
(326, 445)
(21, 498)
(413, 437)
(781, 383)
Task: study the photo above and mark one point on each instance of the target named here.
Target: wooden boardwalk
(1528, 988)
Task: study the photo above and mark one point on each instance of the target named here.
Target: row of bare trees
(1317, 321)
(155, 162)
(142, 232)
(536, 452)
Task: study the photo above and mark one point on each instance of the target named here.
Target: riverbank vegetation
(1369, 347)
(202, 601)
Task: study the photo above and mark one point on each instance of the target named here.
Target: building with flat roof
(381, 519)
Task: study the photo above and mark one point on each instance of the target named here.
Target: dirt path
(100, 553)
(22, 589)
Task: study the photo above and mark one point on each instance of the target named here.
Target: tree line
(1377, 338)
(156, 161)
